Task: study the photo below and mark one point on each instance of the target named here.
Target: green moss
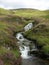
(46, 49)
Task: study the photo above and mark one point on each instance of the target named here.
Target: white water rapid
(24, 50)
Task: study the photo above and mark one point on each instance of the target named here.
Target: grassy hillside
(40, 30)
(13, 21)
(29, 13)
(9, 52)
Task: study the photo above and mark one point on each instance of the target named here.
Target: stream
(25, 46)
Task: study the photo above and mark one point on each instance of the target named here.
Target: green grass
(46, 49)
(13, 54)
(4, 12)
(3, 50)
(12, 21)
(29, 13)
(41, 35)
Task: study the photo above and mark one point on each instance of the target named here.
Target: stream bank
(29, 50)
(38, 53)
(27, 58)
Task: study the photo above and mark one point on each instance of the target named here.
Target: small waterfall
(20, 37)
(24, 52)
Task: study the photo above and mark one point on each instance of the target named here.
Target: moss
(46, 49)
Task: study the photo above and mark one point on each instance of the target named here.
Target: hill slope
(13, 21)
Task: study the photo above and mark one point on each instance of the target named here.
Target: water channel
(24, 47)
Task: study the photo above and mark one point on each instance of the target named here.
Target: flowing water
(24, 47)
(24, 52)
